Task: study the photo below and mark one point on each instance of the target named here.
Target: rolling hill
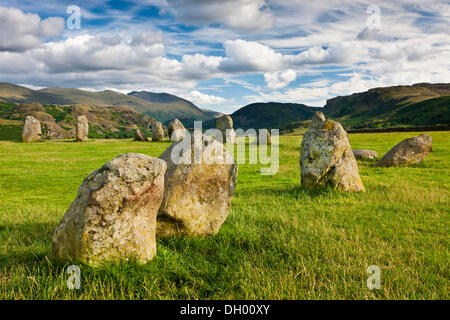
(161, 106)
(422, 104)
(270, 115)
(166, 107)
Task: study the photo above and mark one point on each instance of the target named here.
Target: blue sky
(225, 54)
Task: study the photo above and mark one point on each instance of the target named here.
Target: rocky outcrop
(113, 217)
(82, 129)
(326, 157)
(176, 130)
(197, 197)
(407, 152)
(32, 131)
(365, 154)
(157, 131)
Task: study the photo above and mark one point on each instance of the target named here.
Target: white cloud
(203, 99)
(239, 14)
(277, 80)
(22, 31)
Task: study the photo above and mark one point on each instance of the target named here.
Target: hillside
(58, 122)
(212, 113)
(419, 104)
(270, 115)
(168, 107)
(165, 109)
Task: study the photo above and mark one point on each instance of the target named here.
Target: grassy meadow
(279, 241)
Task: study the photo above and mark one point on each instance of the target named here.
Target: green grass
(279, 241)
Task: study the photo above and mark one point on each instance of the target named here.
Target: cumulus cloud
(22, 31)
(277, 80)
(250, 15)
(203, 99)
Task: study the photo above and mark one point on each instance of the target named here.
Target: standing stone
(113, 216)
(406, 152)
(326, 157)
(82, 129)
(261, 139)
(157, 131)
(139, 135)
(225, 126)
(197, 197)
(32, 131)
(176, 130)
(364, 154)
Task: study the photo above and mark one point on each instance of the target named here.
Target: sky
(225, 54)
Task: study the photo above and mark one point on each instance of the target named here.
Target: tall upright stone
(32, 131)
(197, 194)
(113, 216)
(82, 129)
(225, 125)
(157, 131)
(176, 130)
(326, 157)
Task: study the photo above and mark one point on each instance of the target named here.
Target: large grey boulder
(365, 154)
(176, 130)
(139, 135)
(32, 131)
(157, 131)
(406, 152)
(82, 129)
(113, 217)
(326, 157)
(225, 125)
(197, 197)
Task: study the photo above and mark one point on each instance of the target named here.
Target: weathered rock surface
(176, 130)
(113, 216)
(139, 135)
(365, 154)
(263, 137)
(197, 197)
(157, 131)
(82, 129)
(225, 125)
(326, 157)
(32, 131)
(406, 152)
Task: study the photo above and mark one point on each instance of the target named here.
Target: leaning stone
(197, 197)
(326, 157)
(157, 131)
(139, 135)
(407, 152)
(176, 130)
(82, 129)
(32, 131)
(113, 217)
(364, 154)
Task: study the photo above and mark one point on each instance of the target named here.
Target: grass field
(279, 241)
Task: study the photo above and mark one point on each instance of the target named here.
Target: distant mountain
(161, 106)
(212, 113)
(59, 121)
(168, 107)
(271, 115)
(422, 104)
